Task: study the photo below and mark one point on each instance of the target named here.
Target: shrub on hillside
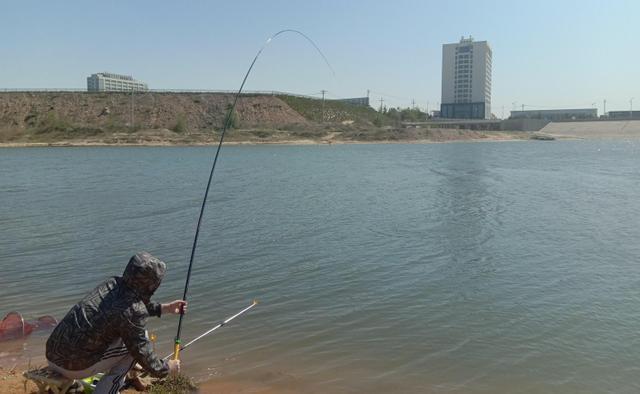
(180, 126)
(231, 118)
(53, 123)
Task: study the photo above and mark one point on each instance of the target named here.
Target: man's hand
(174, 367)
(174, 307)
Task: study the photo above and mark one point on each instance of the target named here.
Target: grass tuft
(178, 384)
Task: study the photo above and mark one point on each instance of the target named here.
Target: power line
(392, 96)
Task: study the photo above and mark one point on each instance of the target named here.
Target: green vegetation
(232, 118)
(337, 111)
(334, 111)
(261, 133)
(179, 384)
(55, 127)
(53, 123)
(307, 134)
(113, 125)
(405, 115)
(181, 125)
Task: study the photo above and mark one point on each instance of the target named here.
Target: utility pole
(503, 112)
(413, 103)
(323, 92)
(381, 101)
(522, 107)
(604, 108)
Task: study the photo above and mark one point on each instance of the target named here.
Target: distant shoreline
(485, 137)
(247, 143)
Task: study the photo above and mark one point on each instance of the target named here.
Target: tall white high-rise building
(466, 80)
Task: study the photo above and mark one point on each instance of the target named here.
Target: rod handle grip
(176, 350)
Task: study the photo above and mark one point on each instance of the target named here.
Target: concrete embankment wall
(594, 129)
(523, 124)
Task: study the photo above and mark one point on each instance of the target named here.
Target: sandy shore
(80, 143)
(13, 362)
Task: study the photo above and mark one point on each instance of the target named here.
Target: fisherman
(105, 331)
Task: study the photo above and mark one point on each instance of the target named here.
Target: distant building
(359, 101)
(623, 114)
(557, 114)
(109, 82)
(466, 80)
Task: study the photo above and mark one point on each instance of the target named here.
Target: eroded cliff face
(195, 111)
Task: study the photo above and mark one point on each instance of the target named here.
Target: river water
(462, 267)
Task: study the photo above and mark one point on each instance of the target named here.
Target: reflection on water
(493, 267)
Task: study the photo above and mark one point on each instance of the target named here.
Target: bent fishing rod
(227, 123)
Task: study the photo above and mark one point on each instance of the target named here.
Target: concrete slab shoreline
(594, 129)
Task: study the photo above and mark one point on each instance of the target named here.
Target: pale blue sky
(545, 53)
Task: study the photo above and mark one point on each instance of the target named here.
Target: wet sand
(12, 382)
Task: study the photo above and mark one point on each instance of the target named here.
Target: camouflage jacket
(117, 309)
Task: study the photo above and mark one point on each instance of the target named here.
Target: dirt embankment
(153, 118)
(196, 111)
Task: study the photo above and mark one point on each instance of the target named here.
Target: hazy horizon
(545, 55)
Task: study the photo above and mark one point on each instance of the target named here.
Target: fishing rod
(222, 323)
(176, 347)
(92, 381)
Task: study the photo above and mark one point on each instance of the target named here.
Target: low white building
(109, 82)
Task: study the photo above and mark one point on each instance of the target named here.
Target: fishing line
(215, 161)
